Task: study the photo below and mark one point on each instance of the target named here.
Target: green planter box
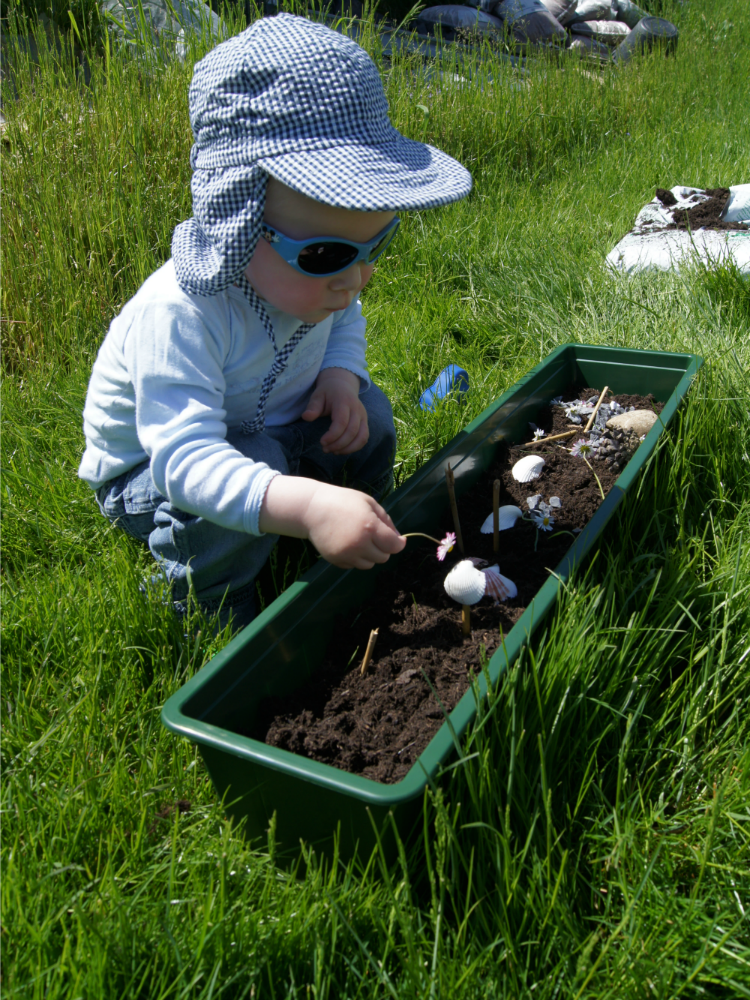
(285, 644)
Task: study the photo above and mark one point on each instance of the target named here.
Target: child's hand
(336, 395)
(347, 527)
(350, 529)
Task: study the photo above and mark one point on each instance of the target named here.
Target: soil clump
(666, 197)
(379, 724)
(706, 215)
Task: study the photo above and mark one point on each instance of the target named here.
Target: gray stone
(405, 676)
(638, 421)
(164, 25)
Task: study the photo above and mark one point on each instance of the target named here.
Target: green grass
(594, 842)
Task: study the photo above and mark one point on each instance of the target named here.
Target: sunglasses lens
(380, 247)
(326, 258)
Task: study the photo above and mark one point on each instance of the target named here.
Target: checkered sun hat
(294, 100)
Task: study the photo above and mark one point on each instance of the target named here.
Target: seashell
(527, 468)
(533, 502)
(465, 583)
(499, 586)
(555, 502)
(506, 518)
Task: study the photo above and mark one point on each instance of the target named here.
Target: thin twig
(496, 516)
(466, 619)
(369, 651)
(450, 482)
(556, 437)
(590, 424)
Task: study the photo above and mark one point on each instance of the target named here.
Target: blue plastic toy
(450, 379)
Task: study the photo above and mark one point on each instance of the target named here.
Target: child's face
(310, 299)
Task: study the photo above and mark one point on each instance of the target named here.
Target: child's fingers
(363, 564)
(340, 418)
(387, 539)
(315, 406)
(345, 425)
(378, 550)
(385, 517)
(350, 529)
(346, 444)
(348, 431)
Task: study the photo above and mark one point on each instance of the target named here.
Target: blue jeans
(222, 563)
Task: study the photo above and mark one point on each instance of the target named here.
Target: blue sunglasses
(326, 255)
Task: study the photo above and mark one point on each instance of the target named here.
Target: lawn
(595, 842)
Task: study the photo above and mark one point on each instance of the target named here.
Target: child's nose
(349, 280)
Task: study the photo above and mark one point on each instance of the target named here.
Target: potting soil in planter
(378, 724)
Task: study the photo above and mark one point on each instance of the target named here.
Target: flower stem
(420, 534)
(595, 475)
(562, 532)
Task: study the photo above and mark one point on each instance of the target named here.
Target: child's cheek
(366, 272)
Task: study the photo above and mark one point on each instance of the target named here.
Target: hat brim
(395, 176)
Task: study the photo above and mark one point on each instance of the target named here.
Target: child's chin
(316, 317)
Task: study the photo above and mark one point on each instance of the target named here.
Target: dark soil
(666, 197)
(706, 215)
(181, 806)
(377, 725)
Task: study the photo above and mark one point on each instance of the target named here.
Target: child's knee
(260, 447)
(380, 418)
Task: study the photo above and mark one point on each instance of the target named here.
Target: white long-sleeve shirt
(177, 370)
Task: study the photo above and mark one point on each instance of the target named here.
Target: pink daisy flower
(446, 545)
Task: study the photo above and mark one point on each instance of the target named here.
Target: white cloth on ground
(650, 246)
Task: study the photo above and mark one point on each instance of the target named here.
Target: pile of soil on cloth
(706, 215)
(377, 725)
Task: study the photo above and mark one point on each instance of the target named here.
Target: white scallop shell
(499, 586)
(506, 518)
(527, 468)
(465, 583)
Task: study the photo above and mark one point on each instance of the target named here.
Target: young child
(231, 394)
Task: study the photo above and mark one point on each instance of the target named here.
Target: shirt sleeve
(176, 363)
(347, 345)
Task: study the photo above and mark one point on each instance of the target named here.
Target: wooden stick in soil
(496, 516)
(466, 619)
(369, 651)
(557, 437)
(590, 424)
(450, 482)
